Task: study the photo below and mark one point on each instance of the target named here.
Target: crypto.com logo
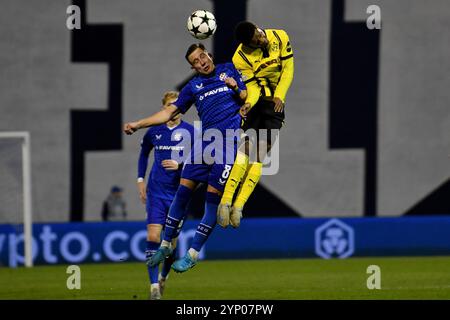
(334, 239)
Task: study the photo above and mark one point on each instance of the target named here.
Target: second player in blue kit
(163, 180)
(218, 93)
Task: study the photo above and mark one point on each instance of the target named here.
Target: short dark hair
(244, 31)
(192, 48)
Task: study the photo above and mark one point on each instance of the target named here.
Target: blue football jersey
(217, 105)
(164, 183)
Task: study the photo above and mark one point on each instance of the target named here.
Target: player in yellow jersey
(265, 59)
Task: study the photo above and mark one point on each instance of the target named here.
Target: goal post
(24, 136)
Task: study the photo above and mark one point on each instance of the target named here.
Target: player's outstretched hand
(244, 110)
(142, 191)
(169, 164)
(130, 127)
(279, 105)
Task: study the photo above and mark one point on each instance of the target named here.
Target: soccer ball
(201, 24)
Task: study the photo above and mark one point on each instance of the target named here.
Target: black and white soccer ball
(201, 24)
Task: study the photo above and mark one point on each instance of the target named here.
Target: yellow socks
(242, 170)
(236, 175)
(249, 184)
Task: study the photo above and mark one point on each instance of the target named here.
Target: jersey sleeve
(146, 148)
(243, 65)
(185, 99)
(287, 66)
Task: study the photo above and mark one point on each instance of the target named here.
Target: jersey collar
(171, 128)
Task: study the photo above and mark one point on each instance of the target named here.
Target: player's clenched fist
(244, 110)
(231, 83)
(130, 127)
(169, 164)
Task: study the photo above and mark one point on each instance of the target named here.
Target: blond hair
(169, 95)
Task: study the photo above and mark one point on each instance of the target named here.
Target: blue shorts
(157, 211)
(214, 174)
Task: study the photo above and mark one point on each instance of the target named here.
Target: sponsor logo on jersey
(266, 64)
(199, 86)
(213, 92)
(172, 148)
(158, 136)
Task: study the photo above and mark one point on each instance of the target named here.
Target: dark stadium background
(367, 117)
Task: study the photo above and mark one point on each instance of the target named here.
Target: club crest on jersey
(158, 136)
(223, 76)
(177, 137)
(274, 47)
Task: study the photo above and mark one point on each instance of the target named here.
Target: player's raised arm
(233, 84)
(287, 70)
(157, 118)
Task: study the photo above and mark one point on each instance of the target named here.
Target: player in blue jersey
(218, 93)
(162, 185)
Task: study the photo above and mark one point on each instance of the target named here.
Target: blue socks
(177, 212)
(152, 271)
(208, 222)
(152, 247)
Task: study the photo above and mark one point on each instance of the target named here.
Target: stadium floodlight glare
(26, 176)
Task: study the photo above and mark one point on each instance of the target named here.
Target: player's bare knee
(154, 232)
(153, 238)
(211, 189)
(188, 183)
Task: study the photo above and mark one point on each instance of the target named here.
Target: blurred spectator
(114, 206)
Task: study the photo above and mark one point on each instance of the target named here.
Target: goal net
(15, 186)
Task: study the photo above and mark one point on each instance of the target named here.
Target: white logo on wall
(334, 239)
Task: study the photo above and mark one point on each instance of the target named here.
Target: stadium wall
(388, 159)
(77, 243)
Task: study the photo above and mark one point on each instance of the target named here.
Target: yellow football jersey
(266, 71)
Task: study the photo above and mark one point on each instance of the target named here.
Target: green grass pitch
(401, 278)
